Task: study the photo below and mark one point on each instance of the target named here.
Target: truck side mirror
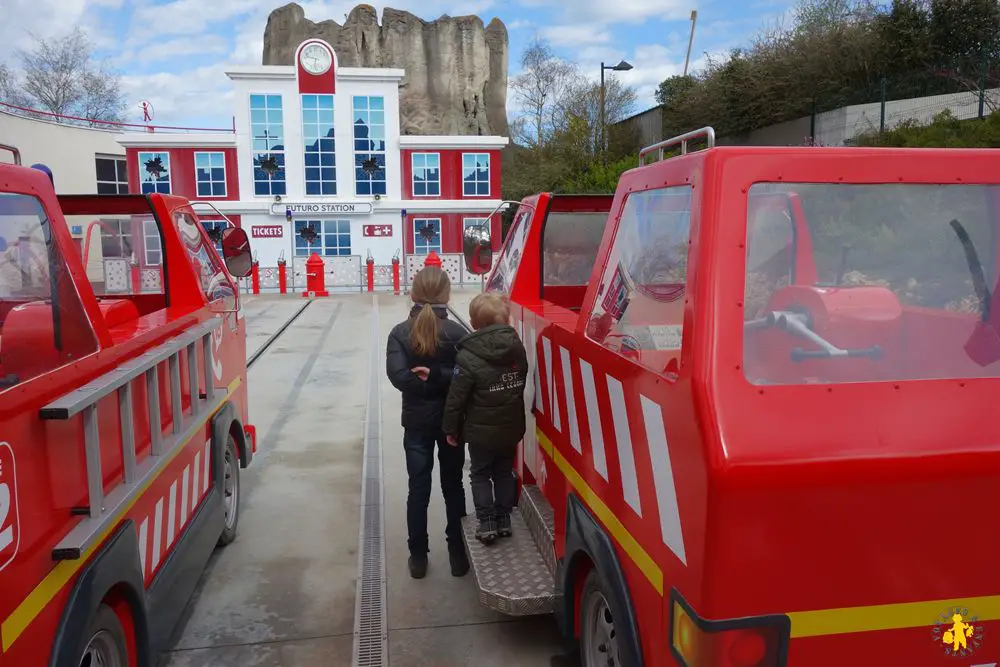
(236, 252)
(478, 249)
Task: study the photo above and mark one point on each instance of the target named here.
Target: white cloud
(171, 49)
(618, 11)
(203, 91)
(574, 35)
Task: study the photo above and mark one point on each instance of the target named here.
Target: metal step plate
(538, 514)
(512, 576)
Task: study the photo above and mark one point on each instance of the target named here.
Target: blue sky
(174, 52)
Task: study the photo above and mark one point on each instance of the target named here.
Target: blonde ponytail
(424, 335)
(431, 286)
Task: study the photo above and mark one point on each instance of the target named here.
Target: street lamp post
(623, 66)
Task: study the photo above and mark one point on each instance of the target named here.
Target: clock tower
(316, 67)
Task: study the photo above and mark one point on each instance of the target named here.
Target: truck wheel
(231, 493)
(106, 646)
(598, 638)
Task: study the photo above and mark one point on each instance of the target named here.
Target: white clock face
(315, 59)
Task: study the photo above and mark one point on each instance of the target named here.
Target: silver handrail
(682, 139)
(212, 206)
(14, 151)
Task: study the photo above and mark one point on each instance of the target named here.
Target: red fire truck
(123, 419)
(760, 430)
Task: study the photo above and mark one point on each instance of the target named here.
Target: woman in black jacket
(420, 360)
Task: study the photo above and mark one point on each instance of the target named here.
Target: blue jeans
(419, 448)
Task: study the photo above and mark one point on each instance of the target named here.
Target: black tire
(105, 643)
(231, 490)
(598, 646)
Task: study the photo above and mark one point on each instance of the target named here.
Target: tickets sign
(267, 231)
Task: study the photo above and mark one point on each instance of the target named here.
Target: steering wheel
(800, 324)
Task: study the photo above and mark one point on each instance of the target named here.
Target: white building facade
(316, 164)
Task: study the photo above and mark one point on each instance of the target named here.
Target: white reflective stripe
(663, 477)
(172, 514)
(550, 382)
(623, 439)
(185, 494)
(195, 496)
(157, 533)
(143, 538)
(208, 458)
(574, 427)
(594, 420)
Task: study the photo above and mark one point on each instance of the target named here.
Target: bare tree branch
(59, 75)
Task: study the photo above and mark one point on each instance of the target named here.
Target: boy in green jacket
(485, 408)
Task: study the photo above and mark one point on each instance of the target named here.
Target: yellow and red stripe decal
(31, 606)
(817, 623)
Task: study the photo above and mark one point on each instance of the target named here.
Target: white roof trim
(262, 206)
(453, 142)
(272, 72)
(177, 140)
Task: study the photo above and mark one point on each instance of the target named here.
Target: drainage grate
(370, 632)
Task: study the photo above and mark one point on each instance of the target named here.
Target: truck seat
(117, 312)
(27, 346)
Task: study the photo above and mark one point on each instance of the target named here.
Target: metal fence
(346, 274)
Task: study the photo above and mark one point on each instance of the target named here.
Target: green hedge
(945, 131)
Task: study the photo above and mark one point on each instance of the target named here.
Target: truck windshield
(570, 242)
(43, 324)
(510, 257)
(862, 283)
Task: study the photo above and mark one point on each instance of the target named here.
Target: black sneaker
(418, 565)
(486, 531)
(503, 525)
(459, 561)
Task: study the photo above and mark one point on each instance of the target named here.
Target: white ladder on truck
(104, 510)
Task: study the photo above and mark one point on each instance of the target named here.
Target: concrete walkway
(438, 621)
(283, 595)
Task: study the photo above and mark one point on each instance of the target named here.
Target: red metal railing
(19, 110)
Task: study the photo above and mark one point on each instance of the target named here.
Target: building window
(214, 230)
(151, 243)
(369, 145)
(154, 173)
(476, 174)
(317, 131)
(330, 238)
(426, 235)
(426, 174)
(210, 174)
(112, 175)
(268, 145)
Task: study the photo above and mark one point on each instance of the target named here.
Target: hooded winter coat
(485, 403)
(423, 400)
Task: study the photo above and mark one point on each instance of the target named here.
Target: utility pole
(687, 58)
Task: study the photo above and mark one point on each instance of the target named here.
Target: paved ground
(283, 593)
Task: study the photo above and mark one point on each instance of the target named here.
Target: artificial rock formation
(456, 69)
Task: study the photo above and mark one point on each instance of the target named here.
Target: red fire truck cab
(759, 427)
(123, 418)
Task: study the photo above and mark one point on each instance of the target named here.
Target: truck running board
(516, 575)
(105, 511)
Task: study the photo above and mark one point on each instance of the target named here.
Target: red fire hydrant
(370, 262)
(432, 259)
(315, 280)
(282, 277)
